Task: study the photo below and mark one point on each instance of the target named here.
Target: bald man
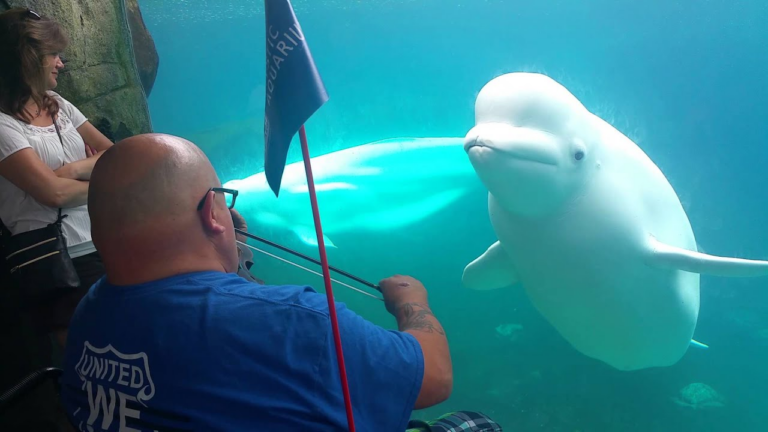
(173, 339)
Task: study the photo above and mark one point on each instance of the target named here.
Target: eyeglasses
(33, 15)
(229, 194)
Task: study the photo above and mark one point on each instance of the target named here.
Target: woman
(40, 172)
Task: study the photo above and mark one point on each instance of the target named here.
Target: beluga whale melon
(588, 225)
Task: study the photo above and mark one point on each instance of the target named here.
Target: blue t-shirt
(210, 351)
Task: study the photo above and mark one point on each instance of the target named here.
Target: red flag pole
(327, 279)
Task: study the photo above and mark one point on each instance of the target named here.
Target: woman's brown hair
(25, 39)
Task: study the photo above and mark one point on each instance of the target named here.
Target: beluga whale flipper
(588, 225)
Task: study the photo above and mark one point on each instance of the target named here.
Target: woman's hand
(68, 171)
(93, 137)
(80, 170)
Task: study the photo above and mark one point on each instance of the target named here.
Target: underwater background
(687, 81)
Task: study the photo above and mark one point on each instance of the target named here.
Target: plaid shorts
(460, 421)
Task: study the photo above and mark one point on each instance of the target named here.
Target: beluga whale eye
(579, 155)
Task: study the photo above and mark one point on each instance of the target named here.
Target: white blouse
(18, 210)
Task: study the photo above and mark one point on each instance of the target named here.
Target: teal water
(685, 80)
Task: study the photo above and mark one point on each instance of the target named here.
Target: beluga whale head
(532, 145)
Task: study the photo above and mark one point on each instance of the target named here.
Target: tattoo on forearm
(416, 316)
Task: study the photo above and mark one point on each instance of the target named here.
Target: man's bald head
(143, 196)
(147, 179)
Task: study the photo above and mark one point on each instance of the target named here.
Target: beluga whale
(588, 225)
(376, 187)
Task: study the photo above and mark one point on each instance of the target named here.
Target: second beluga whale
(374, 187)
(588, 225)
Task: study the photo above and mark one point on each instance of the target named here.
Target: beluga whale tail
(588, 225)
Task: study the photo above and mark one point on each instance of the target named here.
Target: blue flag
(294, 87)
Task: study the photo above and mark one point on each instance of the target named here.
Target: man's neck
(137, 274)
(135, 265)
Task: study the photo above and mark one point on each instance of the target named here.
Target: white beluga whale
(375, 187)
(588, 225)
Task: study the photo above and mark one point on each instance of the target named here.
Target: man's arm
(407, 302)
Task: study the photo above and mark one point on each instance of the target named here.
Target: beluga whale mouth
(520, 143)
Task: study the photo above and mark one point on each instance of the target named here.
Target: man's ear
(211, 215)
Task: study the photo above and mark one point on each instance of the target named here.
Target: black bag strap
(58, 132)
(5, 234)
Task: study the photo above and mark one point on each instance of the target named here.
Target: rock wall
(144, 50)
(102, 77)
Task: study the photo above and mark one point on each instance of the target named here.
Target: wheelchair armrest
(29, 383)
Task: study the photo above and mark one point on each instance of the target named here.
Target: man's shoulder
(217, 285)
(230, 285)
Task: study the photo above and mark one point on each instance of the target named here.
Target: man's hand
(406, 299)
(239, 223)
(398, 290)
(238, 220)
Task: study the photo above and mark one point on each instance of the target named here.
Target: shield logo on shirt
(109, 368)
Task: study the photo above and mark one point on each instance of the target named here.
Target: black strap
(5, 234)
(56, 125)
